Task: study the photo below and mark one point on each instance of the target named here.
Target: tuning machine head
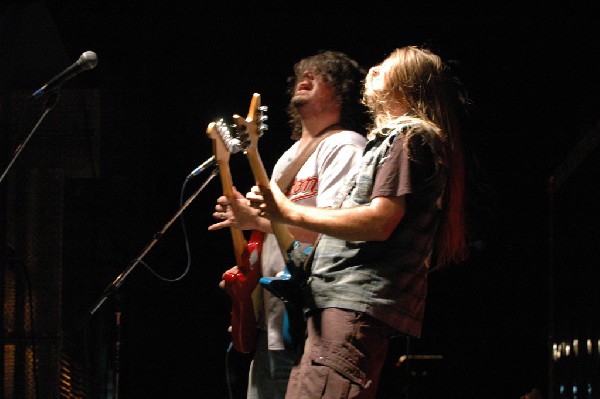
(262, 126)
(232, 143)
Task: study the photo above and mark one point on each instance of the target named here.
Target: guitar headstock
(253, 127)
(224, 142)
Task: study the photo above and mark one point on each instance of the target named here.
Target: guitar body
(240, 286)
(289, 289)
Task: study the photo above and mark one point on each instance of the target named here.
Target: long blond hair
(420, 81)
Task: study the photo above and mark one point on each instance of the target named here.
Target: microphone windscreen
(88, 60)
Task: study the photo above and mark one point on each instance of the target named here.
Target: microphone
(205, 165)
(87, 60)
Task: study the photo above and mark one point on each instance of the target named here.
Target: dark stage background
(104, 173)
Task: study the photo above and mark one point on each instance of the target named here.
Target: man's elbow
(384, 230)
(381, 234)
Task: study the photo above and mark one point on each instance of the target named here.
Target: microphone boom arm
(112, 287)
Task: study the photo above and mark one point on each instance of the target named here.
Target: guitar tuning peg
(232, 143)
(262, 128)
(263, 108)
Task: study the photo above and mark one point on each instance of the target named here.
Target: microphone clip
(212, 161)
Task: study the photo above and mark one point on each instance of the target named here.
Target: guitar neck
(280, 231)
(237, 236)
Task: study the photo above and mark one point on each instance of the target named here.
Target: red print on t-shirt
(303, 188)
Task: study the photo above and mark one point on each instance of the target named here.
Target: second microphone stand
(114, 286)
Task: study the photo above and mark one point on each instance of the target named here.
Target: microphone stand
(117, 348)
(114, 286)
(49, 105)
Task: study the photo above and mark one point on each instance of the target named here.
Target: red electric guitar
(241, 286)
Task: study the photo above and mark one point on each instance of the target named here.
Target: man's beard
(298, 102)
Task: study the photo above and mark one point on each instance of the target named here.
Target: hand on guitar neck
(237, 212)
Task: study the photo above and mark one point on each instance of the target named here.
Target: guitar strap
(288, 175)
(290, 172)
